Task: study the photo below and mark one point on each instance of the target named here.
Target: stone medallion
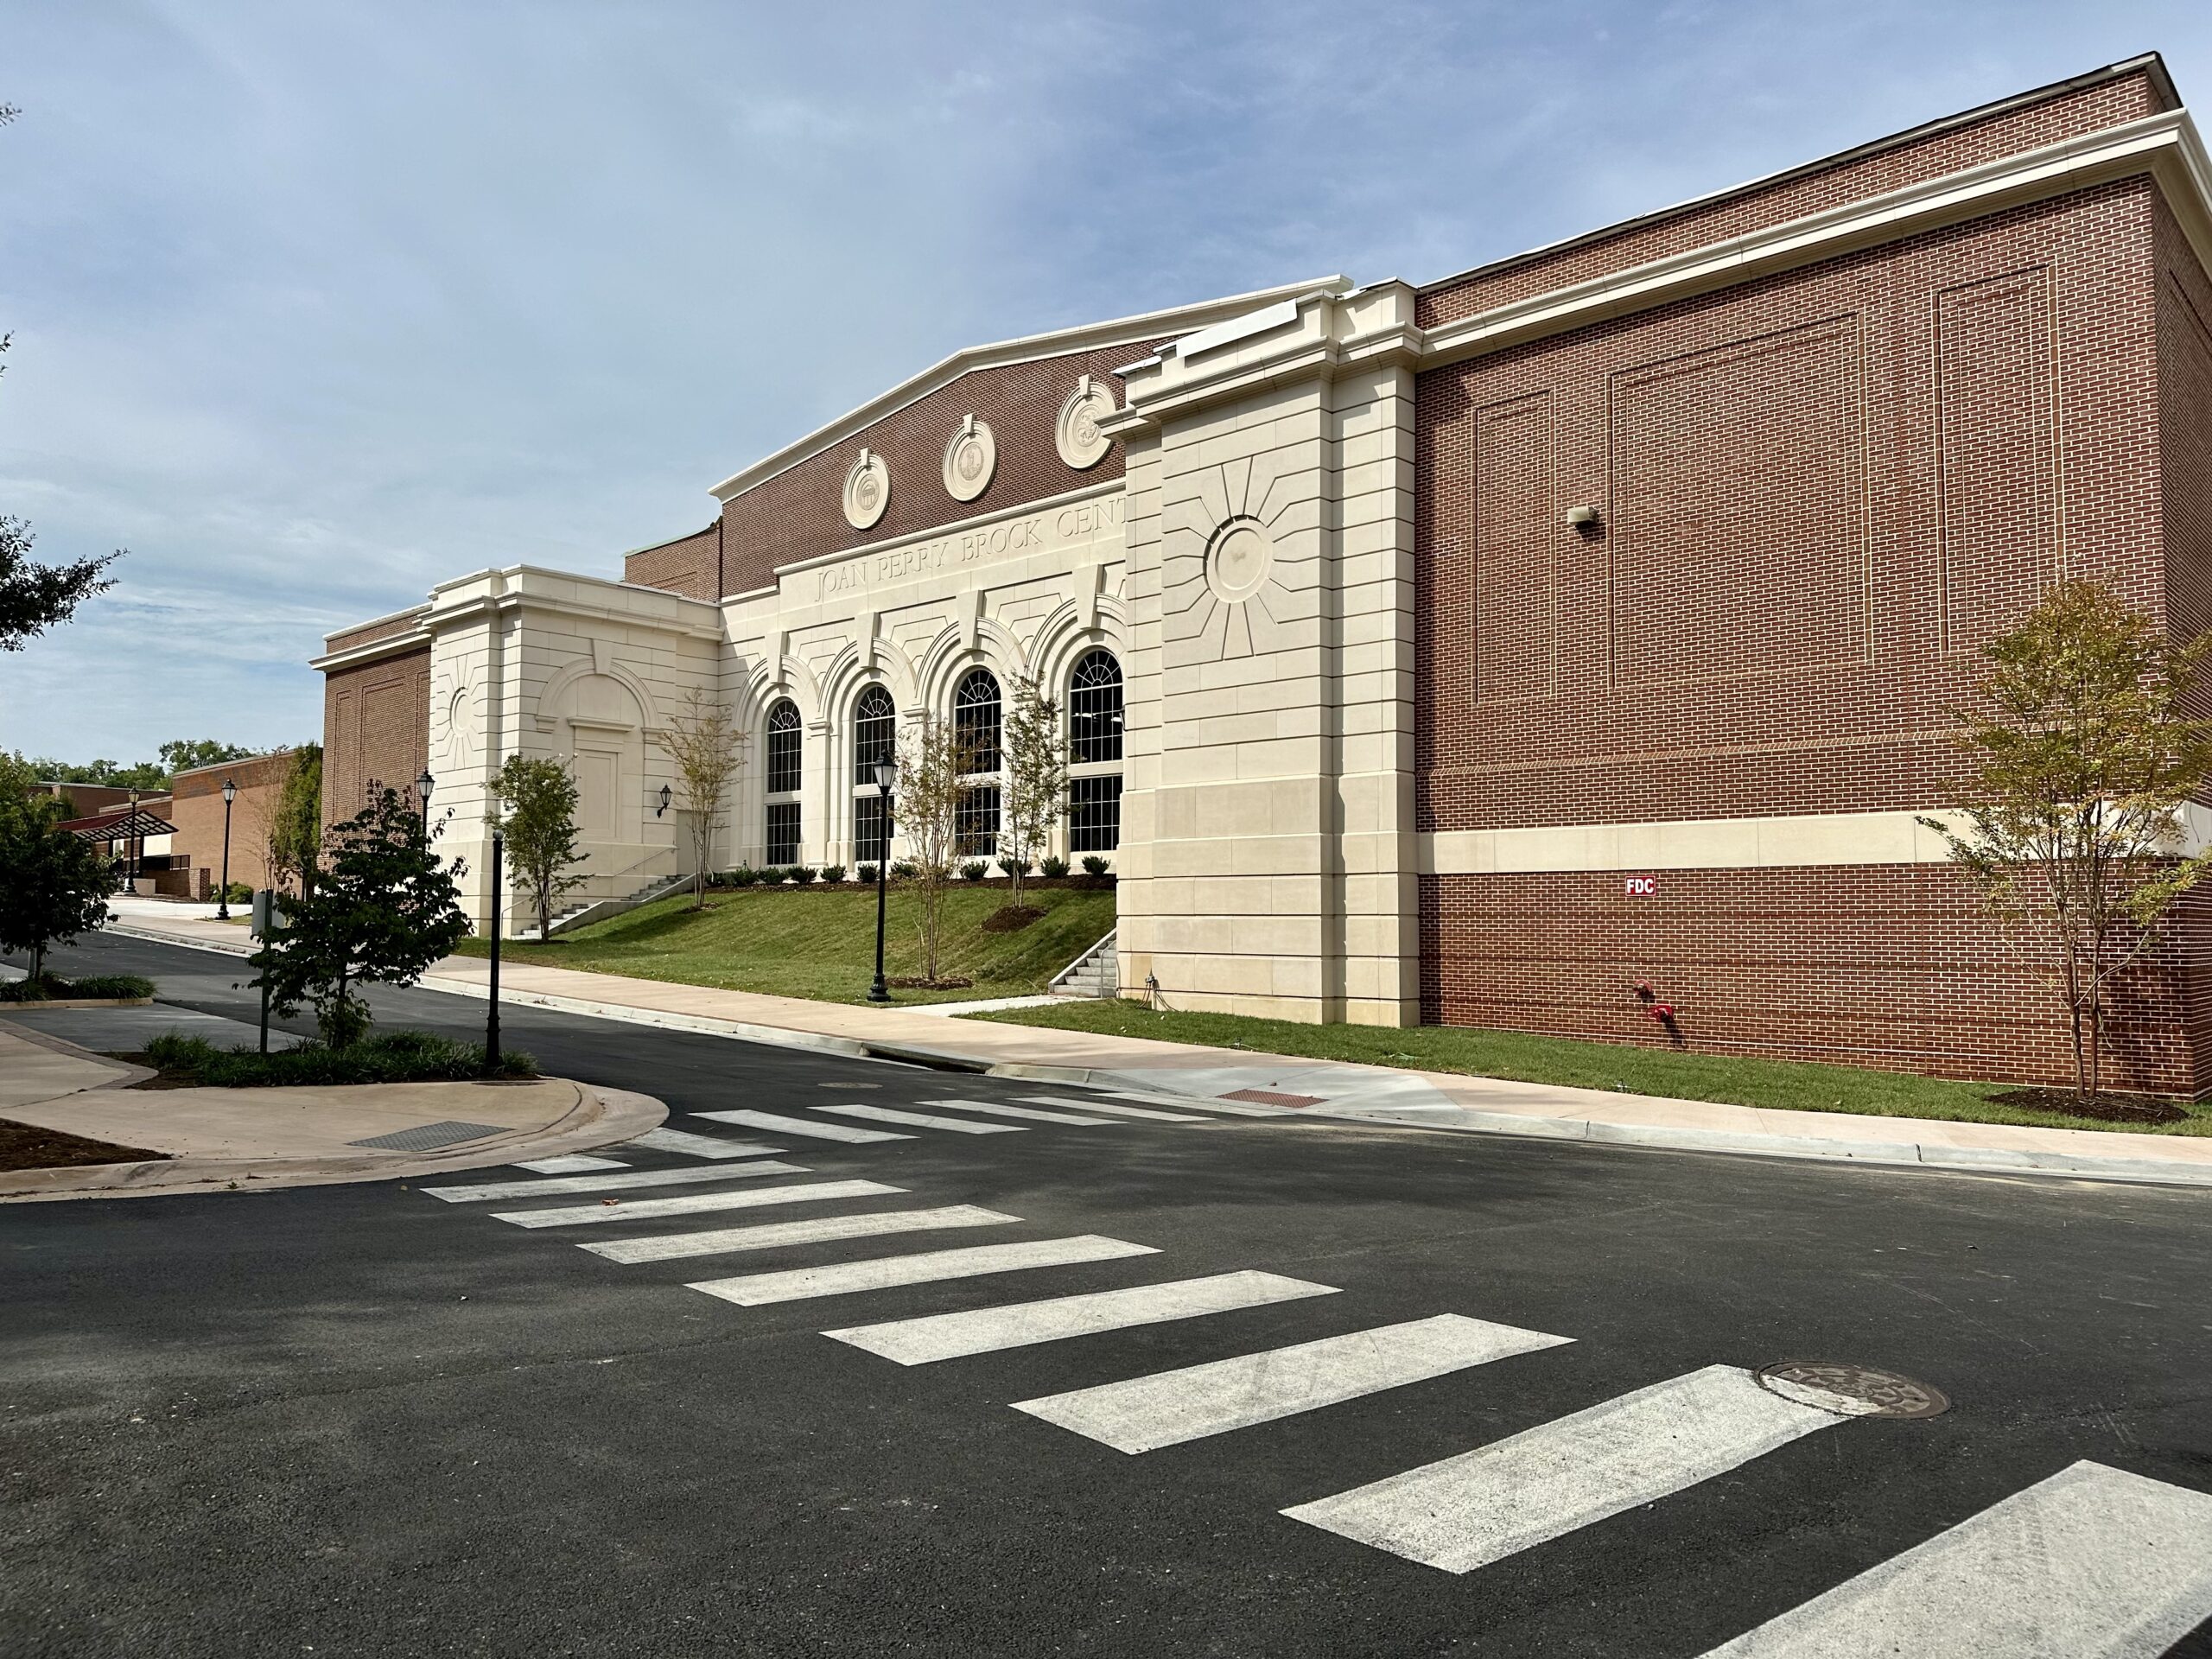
(868, 490)
(1082, 445)
(970, 460)
(1238, 559)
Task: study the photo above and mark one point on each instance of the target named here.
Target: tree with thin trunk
(708, 749)
(2087, 750)
(535, 807)
(384, 909)
(934, 761)
(295, 828)
(1034, 756)
(53, 884)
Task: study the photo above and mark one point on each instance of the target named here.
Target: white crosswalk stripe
(843, 1279)
(777, 1124)
(697, 1146)
(1467, 1511)
(1117, 1110)
(2093, 1563)
(568, 1186)
(987, 1330)
(1032, 1114)
(576, 1164)
(672, 1246)
(692, 1203)
(923, 1120)
(1169, 1408)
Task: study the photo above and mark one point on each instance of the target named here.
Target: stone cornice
(1123, 331)
(1322, 334)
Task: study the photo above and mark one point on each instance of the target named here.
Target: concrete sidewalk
(263, 1138)
(1264, 1083)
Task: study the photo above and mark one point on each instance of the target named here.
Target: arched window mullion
(782, 776)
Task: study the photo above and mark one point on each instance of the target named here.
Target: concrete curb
(1905, 1155)
(597, 1118)
(1910, 1154)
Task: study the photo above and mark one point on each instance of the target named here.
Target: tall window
(783, 779)
(875, 737)
(975, 721)
(1095, 753)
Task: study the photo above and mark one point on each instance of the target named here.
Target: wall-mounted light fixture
(1583, 518)
(666, 796)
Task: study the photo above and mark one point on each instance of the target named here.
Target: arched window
(875, 737)
(1095, 753)
(782, 837)
(976, 722)
(1095, 711)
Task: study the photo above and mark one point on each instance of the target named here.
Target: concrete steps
(1095, 973)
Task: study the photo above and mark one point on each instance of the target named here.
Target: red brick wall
(690, 565)
(800, 514)
(368, 633)
(1890, 966)
(2066, 115)
(376, 731)
(1821, 493)
(196, 809)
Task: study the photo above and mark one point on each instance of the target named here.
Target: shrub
(1014, 866)
(237, 893)
(1093, 864)
(974, 870)
(388, 1056)
(50, 987)
(866, 873)
(802, 873)
(904, 869)
(1054, 868)
(833, 872)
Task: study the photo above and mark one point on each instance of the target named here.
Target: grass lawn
(1789, 1084)
(808, 941)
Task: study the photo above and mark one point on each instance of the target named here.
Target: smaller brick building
(196, 810)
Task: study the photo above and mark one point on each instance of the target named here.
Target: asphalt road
(356, 1420)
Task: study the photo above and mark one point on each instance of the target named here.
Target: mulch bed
(910, 983)
(159, 1080)
(25, 1146)
(1011, 918)
(2106, 1108)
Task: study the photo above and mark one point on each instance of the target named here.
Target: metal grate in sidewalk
(429, 1137)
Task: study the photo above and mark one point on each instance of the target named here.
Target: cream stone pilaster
(1268, 861)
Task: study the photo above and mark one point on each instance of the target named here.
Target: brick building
(196, 810)
(1473, 652)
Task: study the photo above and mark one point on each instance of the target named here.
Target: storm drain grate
(1269, 1097)
(1881, 1394)
(429, 1137)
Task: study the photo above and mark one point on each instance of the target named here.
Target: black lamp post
(422, 788)
(223, 904)
(492, 1014)
(136, 843)
(886, 774)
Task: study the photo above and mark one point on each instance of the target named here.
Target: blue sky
(315, 305)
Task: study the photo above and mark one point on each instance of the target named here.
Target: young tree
(934, 760)
(708, 749)
(1035, 760)
(52, 886)
(536, 810)
(2084, 757)
(383, 910)
(295, 821)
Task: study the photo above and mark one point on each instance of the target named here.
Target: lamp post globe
(886, 774)
(422, 790)
(223, 900)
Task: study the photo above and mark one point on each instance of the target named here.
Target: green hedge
(389, 1056)
(51, 987)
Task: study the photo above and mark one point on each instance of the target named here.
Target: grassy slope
(796, 942)
(1792, 1085)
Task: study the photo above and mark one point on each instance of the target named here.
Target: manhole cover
(429, 1137)
(1873, 1392)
